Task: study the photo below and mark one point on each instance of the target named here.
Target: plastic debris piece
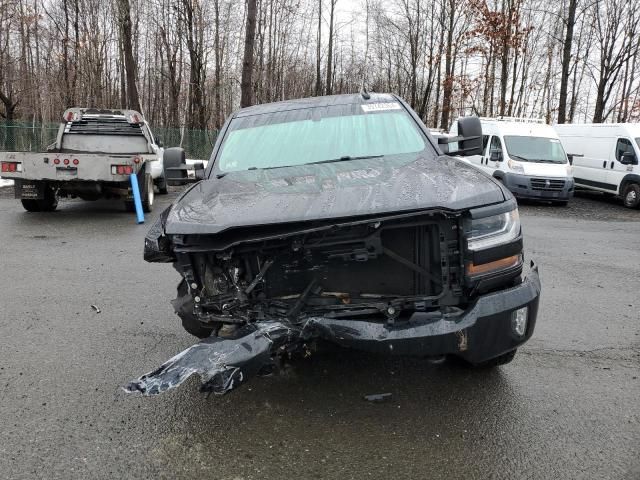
(222, 363)
(377, 397)
(95, 307)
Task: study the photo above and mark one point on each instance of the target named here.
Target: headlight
(515, 166)
(492, 231)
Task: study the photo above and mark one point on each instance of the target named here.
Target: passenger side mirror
(159, 142)
(628, 158)
(469, 137)
(496, 156)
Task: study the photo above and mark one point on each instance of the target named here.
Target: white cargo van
(605, 157)
(527, 156)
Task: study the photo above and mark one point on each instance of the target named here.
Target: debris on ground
(95, 307)
(377, 397)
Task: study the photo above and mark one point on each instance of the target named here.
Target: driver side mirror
(628, 158)
(159, 142)
(496, 156)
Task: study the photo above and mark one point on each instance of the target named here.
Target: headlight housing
(515, 166)
(492, 231)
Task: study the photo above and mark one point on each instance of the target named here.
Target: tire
(172, 158)
(162, 186)
(183, 305)
(631, 195)
(496, 362)
(47, 204)
(31, 205)
(147, 194)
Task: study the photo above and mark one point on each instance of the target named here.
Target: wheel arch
(626, 180)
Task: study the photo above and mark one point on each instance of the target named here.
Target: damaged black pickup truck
(339, 218)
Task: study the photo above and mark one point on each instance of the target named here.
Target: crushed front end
(425, 283)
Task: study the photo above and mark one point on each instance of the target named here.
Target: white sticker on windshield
(378, 107)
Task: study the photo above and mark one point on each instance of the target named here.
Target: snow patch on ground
(5, 183)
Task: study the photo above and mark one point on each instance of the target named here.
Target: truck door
(616, 169)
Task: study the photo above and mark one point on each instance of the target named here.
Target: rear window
(104, 135)
(316, 134)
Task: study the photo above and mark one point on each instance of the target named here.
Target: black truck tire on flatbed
(47, 204)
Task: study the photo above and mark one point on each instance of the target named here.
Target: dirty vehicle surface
(93, 156)
(339, 218)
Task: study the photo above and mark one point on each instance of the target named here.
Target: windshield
(297, 137)
(535, 149)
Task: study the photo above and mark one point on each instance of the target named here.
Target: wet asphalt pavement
(568, 406)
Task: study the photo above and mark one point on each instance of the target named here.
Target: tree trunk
(566, 61)
(329, 86)
(247, 63)
(133, 101)
(447, 86)
(318, 89)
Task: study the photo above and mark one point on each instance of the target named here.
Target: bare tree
(247, 64)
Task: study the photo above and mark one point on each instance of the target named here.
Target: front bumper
(539, 188)
(479, 334)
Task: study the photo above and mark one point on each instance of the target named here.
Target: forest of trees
(191, 62)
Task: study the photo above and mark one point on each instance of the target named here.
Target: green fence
(34, 137)
(197, 144)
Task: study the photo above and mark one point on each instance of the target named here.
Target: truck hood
(332, 190)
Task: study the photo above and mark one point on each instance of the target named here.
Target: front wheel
(631, 195)
(183, 305)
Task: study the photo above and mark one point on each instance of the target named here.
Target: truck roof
(519, 127)
(79, 113)
(311, 102)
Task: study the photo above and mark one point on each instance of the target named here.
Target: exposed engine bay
(384, 269)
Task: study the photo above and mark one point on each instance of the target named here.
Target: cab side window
(495, 150)
(623, 146)
(485, 142)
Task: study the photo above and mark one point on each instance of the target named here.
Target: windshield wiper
(518, 157)
(344, 158)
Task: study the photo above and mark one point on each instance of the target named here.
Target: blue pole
(136, 197)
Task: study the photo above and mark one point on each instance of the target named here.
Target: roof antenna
(363, 91)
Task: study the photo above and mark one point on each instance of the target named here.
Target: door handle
(604, 164)
(611, 163)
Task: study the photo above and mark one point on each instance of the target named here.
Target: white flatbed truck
(95, 152)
